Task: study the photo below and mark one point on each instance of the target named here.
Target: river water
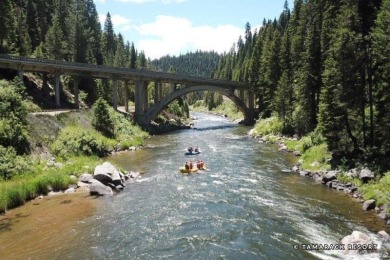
(246, 206)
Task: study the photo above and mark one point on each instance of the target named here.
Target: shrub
(316, 158)
(11, 164)
(378, 190)
(13, 116)
(75, 140)
(176, 109)
(271, 125)
(230, 109)
(102, 120)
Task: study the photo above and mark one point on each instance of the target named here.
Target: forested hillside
(325, 66)
(199, 63)
(66, 30)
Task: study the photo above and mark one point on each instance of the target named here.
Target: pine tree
(120, 55)
(108, 41)
(345, 59)
(95, 53)
(381, 54)
(5, 24)
(33, 24)
(133, 57)
(54, 40)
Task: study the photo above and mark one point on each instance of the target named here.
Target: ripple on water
(244, 207)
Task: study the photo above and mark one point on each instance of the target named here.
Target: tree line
(198, 63)
(323, 66)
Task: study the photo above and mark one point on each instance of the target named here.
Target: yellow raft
(184, 170)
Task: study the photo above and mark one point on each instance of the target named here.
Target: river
(245, 206)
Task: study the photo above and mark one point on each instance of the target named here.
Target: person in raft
(198, 164)
(190, 149)
(191, 165)
(196, 149)
(186, 166)
(201, 164)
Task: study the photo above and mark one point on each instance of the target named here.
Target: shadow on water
(218, 127)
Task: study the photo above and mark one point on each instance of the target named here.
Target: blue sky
(161, 27)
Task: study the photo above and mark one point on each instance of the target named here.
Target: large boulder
(116, 178)
(99, 189)
(283, 148)
(369, 204)
(365, 175)
(384, 234)
(383, 215)
(103, 173)
(85, 177)
(329, 176)
(353, 173)
(103, 178)
(297, 153)
(358, 242)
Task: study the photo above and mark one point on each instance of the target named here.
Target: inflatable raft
(192, 153)
(184, 170)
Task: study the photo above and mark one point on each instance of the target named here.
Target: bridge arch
(155, 110)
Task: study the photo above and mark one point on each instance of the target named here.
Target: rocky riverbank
(105, 180)
(357, 242)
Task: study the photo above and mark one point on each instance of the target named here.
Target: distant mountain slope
(199, 63)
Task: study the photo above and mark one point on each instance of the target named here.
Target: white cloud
(175, 35)
(119, 22)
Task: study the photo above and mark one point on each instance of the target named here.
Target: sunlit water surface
(244, 207)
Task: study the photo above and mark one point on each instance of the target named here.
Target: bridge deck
(101, 71)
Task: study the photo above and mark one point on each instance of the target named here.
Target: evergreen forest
(322, 66)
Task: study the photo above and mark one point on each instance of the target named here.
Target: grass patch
(342, 177)
(226, 108)
(230, 109)
(25, 187)
(316, 158)
(378, 190)
(271, 125)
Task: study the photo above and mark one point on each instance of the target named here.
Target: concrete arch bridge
(178, 85)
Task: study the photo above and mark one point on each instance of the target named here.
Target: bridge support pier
(251, 99)
(241, 94)
(140, 99)
(173, 87)
(126, 96)
(115, 94)
(57, 90)
(157, 91)
(76, 91)
(21, 74)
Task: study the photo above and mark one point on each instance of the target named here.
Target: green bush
(102, 120)
(316, 158)
(342, 177)
(271, 125)
(75, 140)
(13, 116)
(175, 109)
(378, 190)
(230, 109)
(313, 139)
(11, 164)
